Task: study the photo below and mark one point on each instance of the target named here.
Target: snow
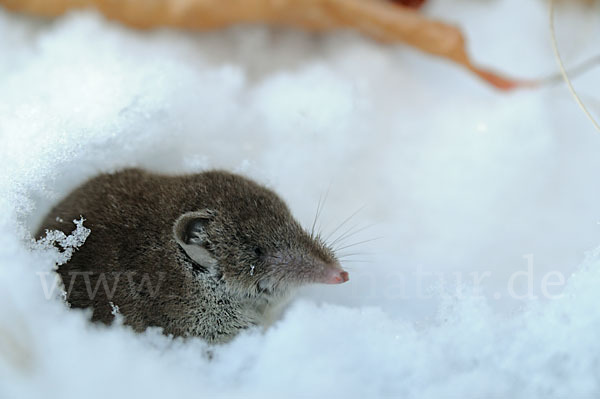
(68, 243)
(483, 282)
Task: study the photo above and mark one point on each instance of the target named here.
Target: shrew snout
(334, 274)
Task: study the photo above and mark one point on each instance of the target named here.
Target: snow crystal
(68, 243)
(485, 202)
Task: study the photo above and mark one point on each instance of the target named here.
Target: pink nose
(336, 276)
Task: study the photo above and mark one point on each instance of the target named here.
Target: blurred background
(468, 204)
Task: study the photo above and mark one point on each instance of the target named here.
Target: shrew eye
(258, 251)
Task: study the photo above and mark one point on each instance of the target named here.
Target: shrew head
(247, 237)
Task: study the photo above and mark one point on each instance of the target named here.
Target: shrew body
(205, 255)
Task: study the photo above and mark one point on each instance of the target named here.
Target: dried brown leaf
(380, 19)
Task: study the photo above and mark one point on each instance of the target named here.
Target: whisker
(350, 233)
(349, 257)
(342, 236)
(320, 207)
(344, 222)
(358, 243)
(312, 229)
(354, 254)
(357, 261)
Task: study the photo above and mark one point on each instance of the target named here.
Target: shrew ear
(189, 231)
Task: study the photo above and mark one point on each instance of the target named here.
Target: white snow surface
(457, 180)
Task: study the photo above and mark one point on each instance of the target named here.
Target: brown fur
(260, 252)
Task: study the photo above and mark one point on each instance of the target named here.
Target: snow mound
(485, 202)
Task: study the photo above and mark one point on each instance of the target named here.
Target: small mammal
(205, 255)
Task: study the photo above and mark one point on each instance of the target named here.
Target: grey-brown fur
(221, 253)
